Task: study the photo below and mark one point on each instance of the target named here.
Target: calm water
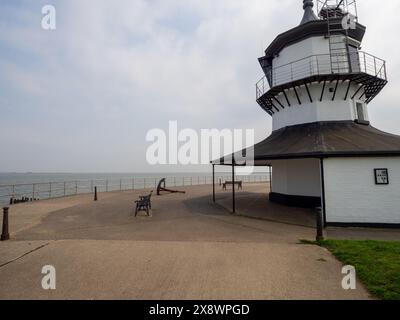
(51, 185)
(30, 178)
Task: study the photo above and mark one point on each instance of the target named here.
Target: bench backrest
(147, 198)
(236, 182)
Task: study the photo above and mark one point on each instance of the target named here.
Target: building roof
(305, 30)
(322, 139)
(309, 14)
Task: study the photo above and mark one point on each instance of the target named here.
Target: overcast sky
(82, 98)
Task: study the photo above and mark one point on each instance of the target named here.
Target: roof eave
(306, 30)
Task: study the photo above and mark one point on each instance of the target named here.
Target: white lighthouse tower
(316, 72)
(318, 86)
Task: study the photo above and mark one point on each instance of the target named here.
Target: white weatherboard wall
(296, 177)
(352, 195)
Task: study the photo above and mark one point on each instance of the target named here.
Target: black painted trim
(308, 92)
(363, 122)
(295, 201)
(323, 91)
(364, 225)
(286, 97)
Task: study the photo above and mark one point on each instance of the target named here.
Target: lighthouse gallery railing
(360, 62)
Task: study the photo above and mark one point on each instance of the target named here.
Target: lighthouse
(318, 86)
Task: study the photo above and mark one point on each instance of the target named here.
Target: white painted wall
(325, 110)
(352, 195)
(303, 49)
(296, 177)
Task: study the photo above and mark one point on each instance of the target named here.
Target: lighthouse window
(360, 111)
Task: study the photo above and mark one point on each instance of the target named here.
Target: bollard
(320, 226)
(4, 234)
(95, 193)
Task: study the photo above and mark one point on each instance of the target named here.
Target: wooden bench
(143, 204)
(230, 183)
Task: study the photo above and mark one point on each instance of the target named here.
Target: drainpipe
(270, 178)
(323, 198)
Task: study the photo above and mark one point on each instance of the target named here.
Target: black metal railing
(323, 64)
(336, 8)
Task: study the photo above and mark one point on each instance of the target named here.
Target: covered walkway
(253, 202)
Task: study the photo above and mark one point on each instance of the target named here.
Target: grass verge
(377, 263)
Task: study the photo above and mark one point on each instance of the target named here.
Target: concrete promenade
(189, 248)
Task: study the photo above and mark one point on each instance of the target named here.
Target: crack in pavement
(24, 255)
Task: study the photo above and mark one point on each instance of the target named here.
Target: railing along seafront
(359, 62)
(49, 190)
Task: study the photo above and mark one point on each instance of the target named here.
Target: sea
(39, 186)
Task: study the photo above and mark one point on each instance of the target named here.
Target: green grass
(377, 264)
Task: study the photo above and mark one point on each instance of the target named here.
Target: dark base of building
(295, 201)
(364, 225)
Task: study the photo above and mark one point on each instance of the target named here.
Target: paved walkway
(189, 249)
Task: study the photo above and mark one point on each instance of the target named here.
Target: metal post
(33, 192)
(365, 64)
(213, 182)
(320, 226)
(95, 193)
(5, 234)
(76, 187)
(385, 70)
(323, 202)
(233, 187)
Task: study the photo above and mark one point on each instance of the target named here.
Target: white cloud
(89, 91)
